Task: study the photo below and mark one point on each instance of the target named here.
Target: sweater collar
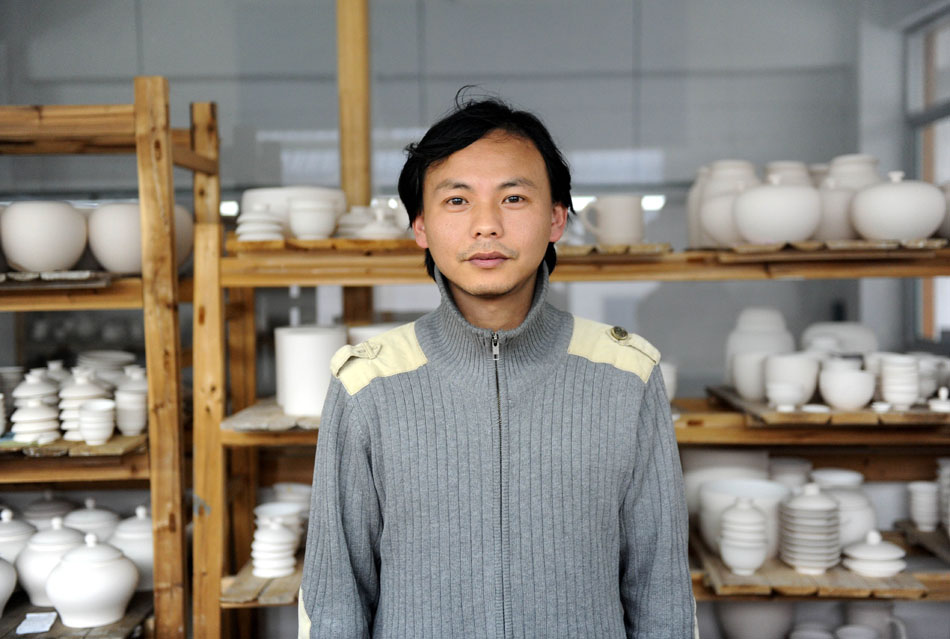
(450, 340)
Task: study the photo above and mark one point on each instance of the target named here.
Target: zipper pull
(494, 346)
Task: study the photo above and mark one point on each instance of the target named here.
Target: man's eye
(455, 201)
(514, 199)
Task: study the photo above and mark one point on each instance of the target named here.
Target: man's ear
(558, 222)
(419, 228)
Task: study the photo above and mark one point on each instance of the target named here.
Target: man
(498, 468)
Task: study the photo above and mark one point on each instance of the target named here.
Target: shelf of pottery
(64, 419)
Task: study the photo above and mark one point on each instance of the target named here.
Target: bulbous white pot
(41, 555)
(778, 212)
(835, 213)
(42, 236)
(717, 219)
(92, 585)
(789, 172)
(7, 583)
(115, 236)
(898, 210)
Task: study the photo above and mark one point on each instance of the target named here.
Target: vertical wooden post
(243, 467)
(353, 80)
(210, 543)
(162, 351)
(928, 289)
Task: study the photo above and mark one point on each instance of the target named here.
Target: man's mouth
(487, 260)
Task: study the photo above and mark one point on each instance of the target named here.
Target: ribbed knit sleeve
(655, 585)
(340, 586)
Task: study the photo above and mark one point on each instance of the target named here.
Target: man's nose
(486, 221)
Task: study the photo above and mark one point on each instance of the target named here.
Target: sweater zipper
(495, 351)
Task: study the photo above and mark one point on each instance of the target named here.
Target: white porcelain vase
(42, 236)
(898, 210)
(778, 212)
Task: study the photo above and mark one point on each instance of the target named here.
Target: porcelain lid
(874, 548)
(11, 528)
(138, 526)
(811, 498)
(93, 552)
(743, 511)
(90, 515)
(56, 536)
(48, 507)
(35, 410)
(33, 386)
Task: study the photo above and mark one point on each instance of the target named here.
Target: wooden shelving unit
(141, 129)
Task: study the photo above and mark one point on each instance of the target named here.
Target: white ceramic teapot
(41, 555)
(133, 536)
(92, 585)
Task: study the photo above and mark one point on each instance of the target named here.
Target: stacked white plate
(924, 505)
(72, 395)
(874, 557)
(810, 531)
(743, 542)
(900, 381)
(287, 514)
(106, 364)
(259, 224)
(273, 551)
(34, 386)
(35, 422)
(275, 201)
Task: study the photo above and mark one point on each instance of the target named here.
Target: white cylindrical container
(303, 366)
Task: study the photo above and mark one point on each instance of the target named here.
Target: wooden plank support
(67, 122)
(186, 158)
(122, 293)
(20, 470)
(205, 141)
(162, 351)
(210, 541)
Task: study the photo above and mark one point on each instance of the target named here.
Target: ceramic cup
(878, 615)
(619, 219)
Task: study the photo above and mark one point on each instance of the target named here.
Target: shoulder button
(618, 333)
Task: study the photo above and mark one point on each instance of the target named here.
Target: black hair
(470, 121)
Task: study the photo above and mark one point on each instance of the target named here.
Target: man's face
(487, 216)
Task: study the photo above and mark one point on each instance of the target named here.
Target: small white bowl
(846, 389)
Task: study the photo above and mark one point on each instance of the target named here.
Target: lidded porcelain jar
(134, 379)
(854, 170)
(33, 385)
(898, 210)
(789, 172)
(41, 512)
(14, 535)
(41, 555)
(133, 536)
(778, 211)
(56, 372)
(7, 583)
(99, 521)
(857, 516)
(92, 585)
(875, 557)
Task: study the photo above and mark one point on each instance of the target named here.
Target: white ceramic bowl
(847, 389)
(784, 396)
(312, 223)
(794, 368)
(748, 341)
(115, 236)
(42, 236)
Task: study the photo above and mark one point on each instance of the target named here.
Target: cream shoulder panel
(393, 352)
(605, 344)
(303, 620)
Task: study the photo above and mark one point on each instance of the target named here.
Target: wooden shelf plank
(186, 158)
(66, 122)
(295, 437)
(121, 293)
(282, 268)
(18, 470)
(136, 612)
(244, 590)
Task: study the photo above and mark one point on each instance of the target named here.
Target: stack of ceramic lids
(35, 422)
(295, 493)
(101, 522)
(72, 395)
(35, 386)
(106, 365)
(259, 224)
(287, 514)
(810, 531)
(273, 550)
(875, 557)
(42, 511)
(743, 543)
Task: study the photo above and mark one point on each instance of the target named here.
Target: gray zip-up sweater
(471, 484)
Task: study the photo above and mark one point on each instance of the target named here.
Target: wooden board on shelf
(328, 245)
(244, 590)
(117, 446)
(266, 415)
(774, 577)
(136, 612)
(764, 416)
(779, 254)
(935, 541)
